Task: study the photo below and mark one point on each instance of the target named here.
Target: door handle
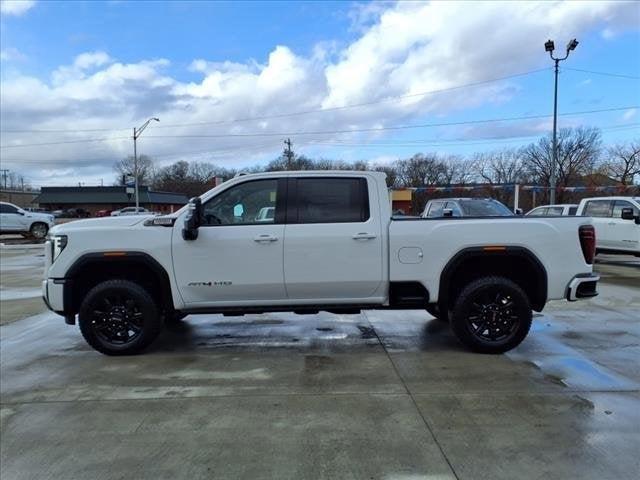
(364, 236)
(612, 223)
(265, 238)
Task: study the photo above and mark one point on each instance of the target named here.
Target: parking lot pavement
(377, 395)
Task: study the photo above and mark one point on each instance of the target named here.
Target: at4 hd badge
(220, 283)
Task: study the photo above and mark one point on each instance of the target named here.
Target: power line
(607, 74)
(88, 140)
(397, 127)
(332, 132)
(441, 142)
(302, 112)
(210, 151)
(405, 143)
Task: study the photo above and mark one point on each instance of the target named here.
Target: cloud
(629, 114)
(11, 55)
(403, 49)
(16, 7)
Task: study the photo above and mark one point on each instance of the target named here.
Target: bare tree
(500, 167)
(578, 151)
(623, 162)
(420, 170)
(125, 168)
(457, 170)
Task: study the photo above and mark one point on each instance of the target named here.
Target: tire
(174, 317)
(491, 315)
(434, 311)
(38, 230)
(119, 317)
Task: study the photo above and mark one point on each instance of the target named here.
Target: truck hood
(99, 223)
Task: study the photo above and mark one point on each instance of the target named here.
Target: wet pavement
(379, 395)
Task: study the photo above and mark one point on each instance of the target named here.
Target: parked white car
(131, 211)
(563, 209)
(14, 219)
(617, 223)
(331, 245)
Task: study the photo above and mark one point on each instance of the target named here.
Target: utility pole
(4, 176)
(136, 133)
(288, 153)
(549, 46)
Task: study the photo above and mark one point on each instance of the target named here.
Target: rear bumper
(583, 286)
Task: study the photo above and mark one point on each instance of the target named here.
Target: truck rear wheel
(491, 315)
(119, 317)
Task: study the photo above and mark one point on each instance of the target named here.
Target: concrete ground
(380, 395)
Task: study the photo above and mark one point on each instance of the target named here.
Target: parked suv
(14, 219)
(465, 207)
(617, 223)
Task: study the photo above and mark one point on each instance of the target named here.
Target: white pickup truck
(617, 223)
(330, 244)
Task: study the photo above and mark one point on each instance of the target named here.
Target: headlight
(58, 243)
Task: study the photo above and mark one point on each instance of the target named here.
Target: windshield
(484, 208)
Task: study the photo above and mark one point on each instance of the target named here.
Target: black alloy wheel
(119, 317)
(491, 315)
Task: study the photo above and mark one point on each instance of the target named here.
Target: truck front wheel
(119, 317)
(491, 315)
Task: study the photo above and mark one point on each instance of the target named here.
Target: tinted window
(332, 200)
(573, 210)
(538, 212)
(243, 204)
(555, 211)
(4, 208)
(484, 208)
(435, 210)
(598, 208)
(619, 205)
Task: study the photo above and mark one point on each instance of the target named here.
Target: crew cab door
(237, 257)
(333, 239)
(625, 233)
(11, 218)
(600, 211)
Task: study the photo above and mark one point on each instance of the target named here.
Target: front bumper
(583, 286)
(53, 294)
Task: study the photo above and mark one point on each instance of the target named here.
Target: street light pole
(136, 133)
(549, 47)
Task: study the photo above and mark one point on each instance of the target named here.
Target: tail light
(587, 236)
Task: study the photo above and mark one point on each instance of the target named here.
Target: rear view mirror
(447, 212)
(627, 214)
(193, 219)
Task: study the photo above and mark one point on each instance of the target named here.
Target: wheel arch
(516, 263)
(93, 268)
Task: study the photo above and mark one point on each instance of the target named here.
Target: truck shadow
(334, 333)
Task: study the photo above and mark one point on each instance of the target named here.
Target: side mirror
(519, 211)
(447, 212)
(193, 219)
(20, 212)
(627, 214)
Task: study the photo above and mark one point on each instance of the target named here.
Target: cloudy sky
(344, 80)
